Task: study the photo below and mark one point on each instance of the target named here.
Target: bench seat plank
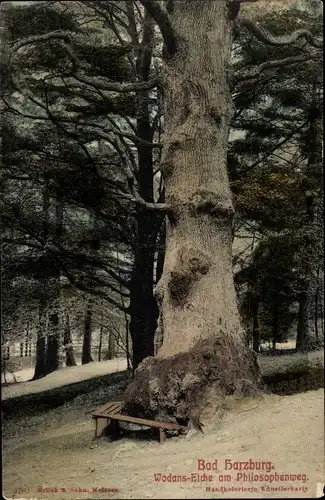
(142, 421)
(112, 406)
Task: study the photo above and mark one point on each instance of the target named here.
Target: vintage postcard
(162, 249)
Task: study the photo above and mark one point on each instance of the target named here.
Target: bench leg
(114, 429)
(162, 436)
(101, 426)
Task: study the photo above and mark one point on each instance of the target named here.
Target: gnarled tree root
(178, 388)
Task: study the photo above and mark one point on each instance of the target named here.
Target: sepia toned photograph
(162, 249)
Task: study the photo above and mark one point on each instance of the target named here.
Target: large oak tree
(204, 355)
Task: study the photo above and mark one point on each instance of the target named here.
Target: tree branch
(136, 198)
(94, 82)
(102, 131)
(264, 36)
(111, 86)
(272, 150)
(161, 17)
(257, 70)
(80, 286)
(53, 35)
(56, 255)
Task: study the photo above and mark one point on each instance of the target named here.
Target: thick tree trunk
(143, 306)
(67, 342)
(86, 346)
(204, 354)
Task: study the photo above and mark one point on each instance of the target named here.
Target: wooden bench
(109, 413)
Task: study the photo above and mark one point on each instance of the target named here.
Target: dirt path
(286, 431)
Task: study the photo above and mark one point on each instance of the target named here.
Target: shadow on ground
(94, 390)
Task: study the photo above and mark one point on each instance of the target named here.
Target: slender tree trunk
(111, 346)
(67, 342)
(52, 362)
(86, 347)
(316, 312)
(204, 354)
(321, 312)
(314, 240)
(127, 331)
(303, 319)
(40, 346)
(275, 323)
(27, 341)
(100, 342)
(127, 345)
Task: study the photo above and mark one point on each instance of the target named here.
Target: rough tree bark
(204, 354)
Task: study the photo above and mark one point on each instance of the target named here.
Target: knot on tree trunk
(209, 203)
(190, 265)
